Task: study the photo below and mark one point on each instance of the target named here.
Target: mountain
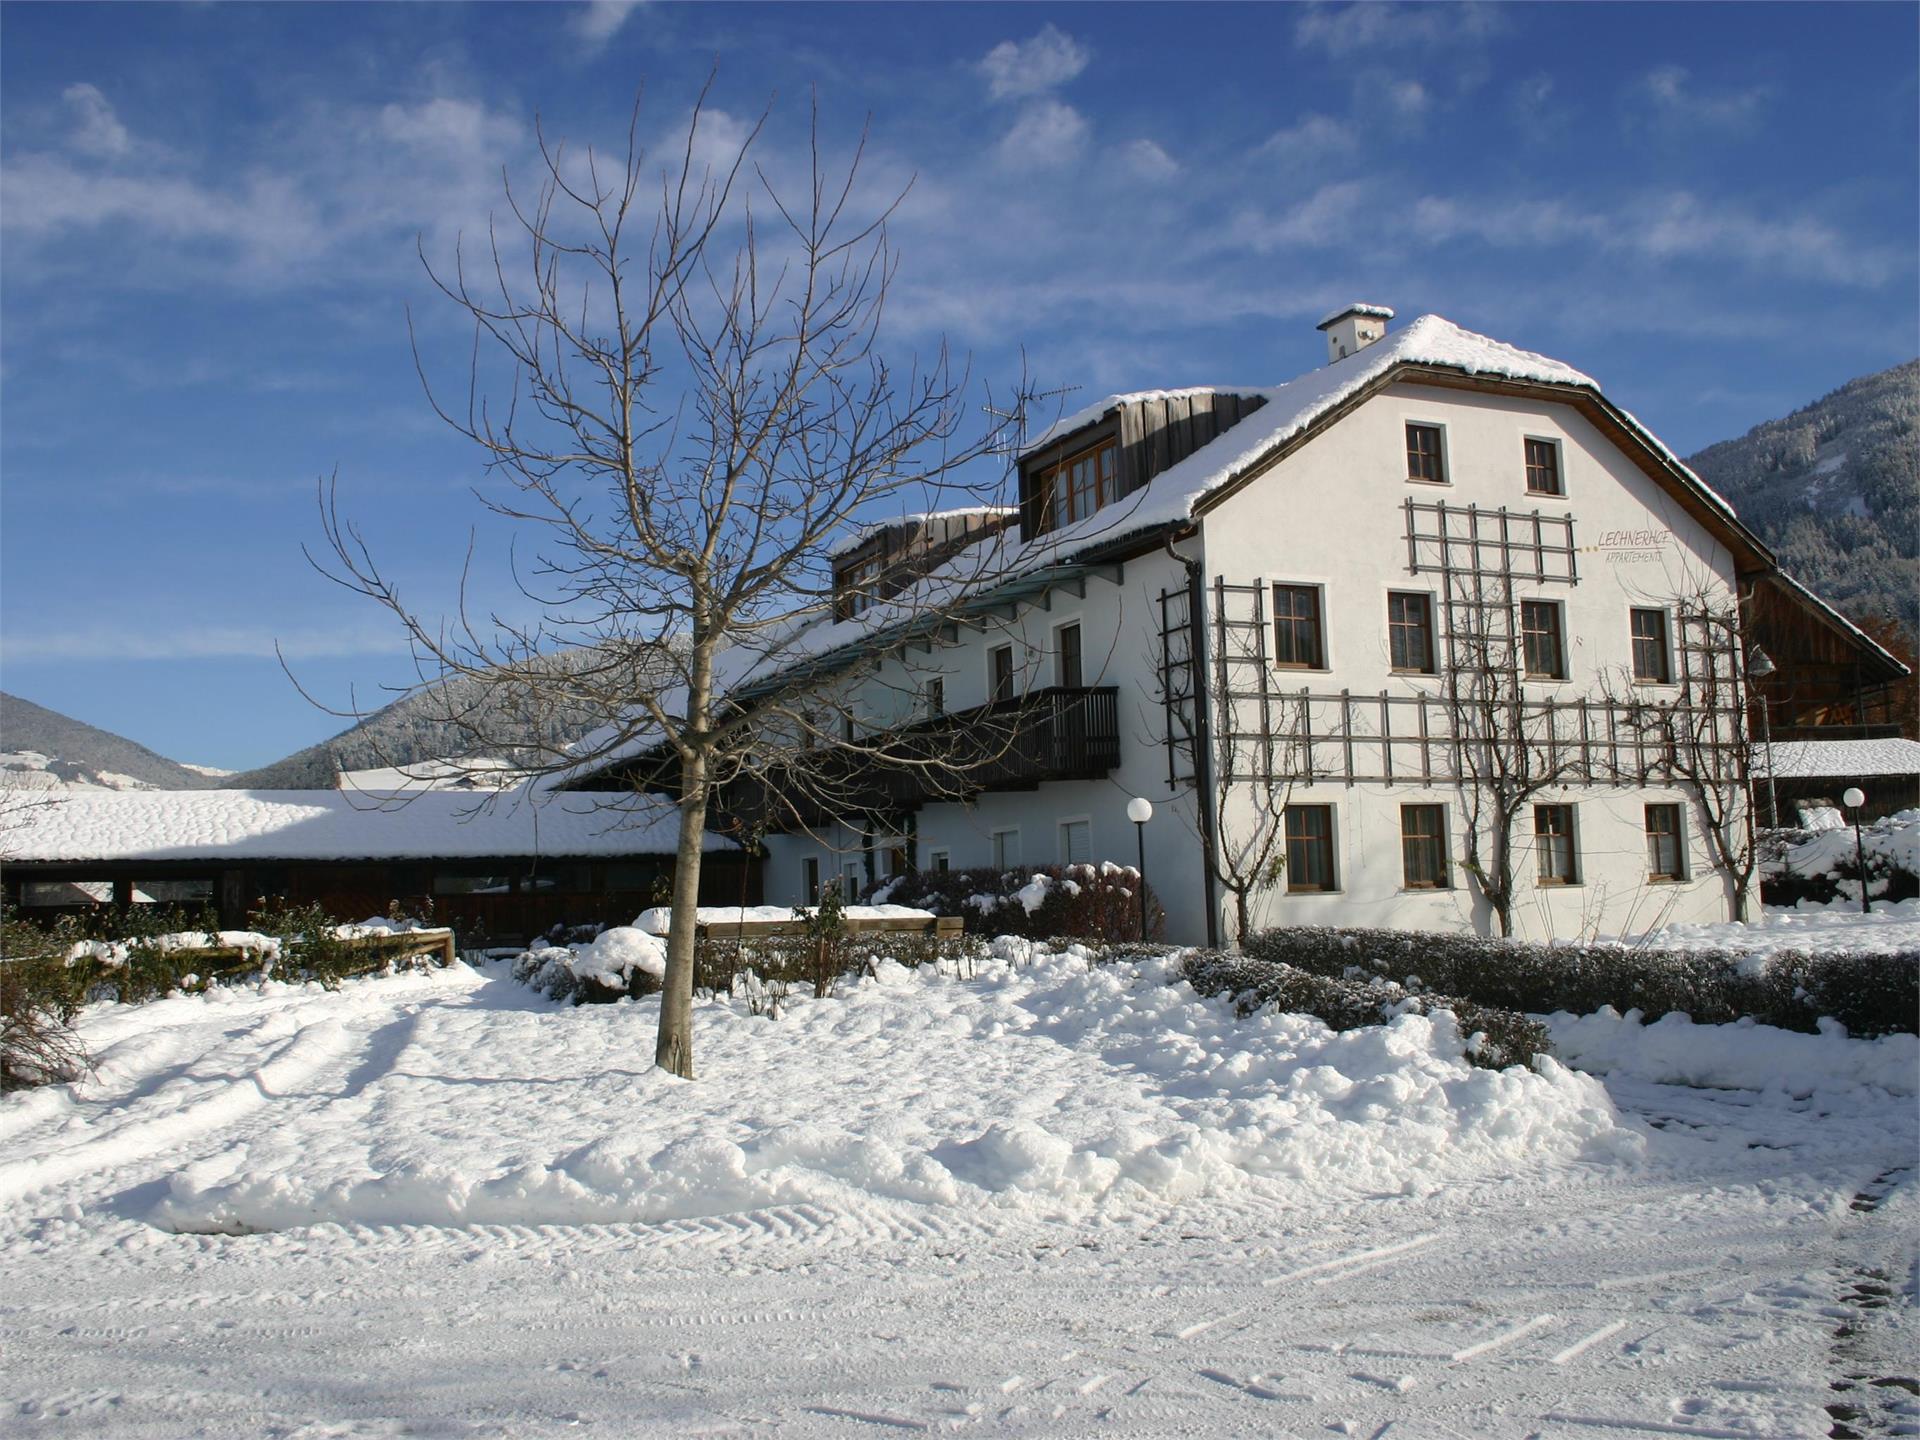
(1834, 488)
(44, 749)
(442, 721)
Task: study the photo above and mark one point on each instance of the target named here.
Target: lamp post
(1853, 800)
(1140, 810)
(1759, 666)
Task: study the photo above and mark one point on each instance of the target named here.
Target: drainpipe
(1202, 728)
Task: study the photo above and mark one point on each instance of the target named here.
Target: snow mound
(1741, 1056)
(1055, 1088)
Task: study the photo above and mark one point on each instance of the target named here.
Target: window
(1410, 631)
(1076, 842)
(1650, 661)
(1545, 651)
(1080, 484)
(1297, 641)
(856, 585)
(810, 880)
(1310, 848)
(1067, 657)
(1553, 841)
(1423, 847)
(939, 861)
(853, 878)
(893, 856)
(1666, 850)
(1006, 849)
(1424, 461)
(1000, 673)
(936, 693)
(1543, 468)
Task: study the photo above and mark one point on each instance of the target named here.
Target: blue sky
(209, 216)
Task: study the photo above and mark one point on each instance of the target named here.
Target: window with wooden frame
(1425, 459)
(939, 861)
(1542, 640)
(1410, 631)
(1555, 846)
(1080, 484)
(1310, 862)
(1076, 842)
(1298, 641)
(1543, 468)
(999, 674)
(856, 583)
(1666, 844)
(935, 691)
(1423, 847)
(1652, 663)
(1067, 662)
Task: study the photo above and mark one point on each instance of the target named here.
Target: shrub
(1495, 1038)
(1871, 994)
(1038, 902)
(37, 1044)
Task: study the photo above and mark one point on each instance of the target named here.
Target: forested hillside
(1835, 489)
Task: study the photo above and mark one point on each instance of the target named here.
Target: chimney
(1352, 328)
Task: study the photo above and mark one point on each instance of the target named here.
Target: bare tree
(1700, 739)
(695, 408)
(1504, 744)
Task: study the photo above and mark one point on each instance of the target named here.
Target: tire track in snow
(291, 1065)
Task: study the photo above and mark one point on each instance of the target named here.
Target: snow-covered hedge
(1819, 863)
(1495, 1038)
(1870, 994)
(1039, 902)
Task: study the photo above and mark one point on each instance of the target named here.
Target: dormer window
(856, 583)
(1081, 484)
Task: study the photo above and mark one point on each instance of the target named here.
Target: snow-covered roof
(1841, 759)
(332, 825)
(859, 536)
(1169, 499)
(1359, 307)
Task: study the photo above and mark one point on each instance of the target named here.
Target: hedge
(1496, 1038)
(1080, 902)
(778, 964)
(1870, 994)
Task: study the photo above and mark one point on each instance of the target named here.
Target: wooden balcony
(1054, 734)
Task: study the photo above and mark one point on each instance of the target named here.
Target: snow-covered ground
(1041, 1198)
(1812, 925)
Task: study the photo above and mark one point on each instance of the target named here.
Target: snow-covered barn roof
(1840, 759)
(334, 825)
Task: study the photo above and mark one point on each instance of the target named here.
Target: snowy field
(1040, 1198)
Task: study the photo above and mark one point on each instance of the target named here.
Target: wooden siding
(1154, 436)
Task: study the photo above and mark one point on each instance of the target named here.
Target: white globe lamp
(1139, 811)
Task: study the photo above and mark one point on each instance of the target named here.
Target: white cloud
(1312, 136)
(1342, 30)
(1149, 161)
(1668, 93)
(1046, 133)
(598, 21)
(1324, 218)
(97, 129)
(1017, 69)
(1675, 226)
(1408, 98)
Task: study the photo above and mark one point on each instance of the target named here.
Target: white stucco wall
(1119, 643)
(1332, 515)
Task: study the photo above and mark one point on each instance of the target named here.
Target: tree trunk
(1240, 919)
(674, 1050)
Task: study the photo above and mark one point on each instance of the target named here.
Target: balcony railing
(1061, 733)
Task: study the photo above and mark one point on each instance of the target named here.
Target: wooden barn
(498, 868)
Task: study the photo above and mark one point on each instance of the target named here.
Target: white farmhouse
(1434, 636)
